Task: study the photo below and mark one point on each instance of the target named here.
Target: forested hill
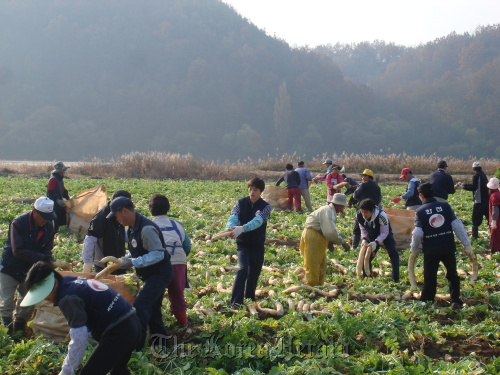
(98, 78)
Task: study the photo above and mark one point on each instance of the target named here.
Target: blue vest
(136, 248)
(414, 200)
(103, 307)
(435, 219)
(248, 212)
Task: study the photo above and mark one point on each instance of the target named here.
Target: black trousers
(114, 350)
(251, 259)
(432, 257)
(479, 210)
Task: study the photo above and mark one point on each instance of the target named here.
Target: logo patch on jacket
(97, 286)
(436, 220)
(133, 243)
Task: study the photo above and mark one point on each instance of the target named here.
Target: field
(352, 335)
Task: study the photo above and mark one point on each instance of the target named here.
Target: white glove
(237, 231)
(493, 224)
(468, 249)
(60, 202)
(87, 267)
(63, 373)
(364, 243)
(373, 245)
(416, 252)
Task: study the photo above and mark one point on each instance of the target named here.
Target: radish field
(341, 328)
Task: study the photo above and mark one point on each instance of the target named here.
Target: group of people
(158, 250)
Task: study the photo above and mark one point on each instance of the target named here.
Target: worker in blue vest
(92, 307)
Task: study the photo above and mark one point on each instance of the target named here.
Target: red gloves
(396, 200)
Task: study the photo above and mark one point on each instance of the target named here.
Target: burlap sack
(83, 206)
(49, 320)
(276, 196)
(402, 224)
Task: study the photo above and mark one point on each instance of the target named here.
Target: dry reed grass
(160, 165)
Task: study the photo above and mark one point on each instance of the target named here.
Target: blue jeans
(251, 259)
(148, 303)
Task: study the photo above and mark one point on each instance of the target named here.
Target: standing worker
(412, 200)
(92, 307)
(178, 246)
(321, 177)
(494, 211)
(292, 181)
(30, 239)
(442, 182)
(332, 180)
(305, 180)
(480, 196)
(248, 222)
(58, 193)
(435, 223)
(151, 262)
(105, 237)
(319, 230)
(366, 189)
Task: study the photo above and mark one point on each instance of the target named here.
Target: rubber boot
(355, 240)
(475, 232)
(7, 323)
(19, 327)
(181, 317)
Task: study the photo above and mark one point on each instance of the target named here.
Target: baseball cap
(367, 172)
(328, 161)
(39, 291)
(442, 164)
(45, 208)
(404, 172)
(476, 164)
(117, 204)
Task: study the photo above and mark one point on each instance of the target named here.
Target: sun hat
(476, 164)
(117, 204)
(493, 184)
(367, 172)
(45, 208)
(340, 199)
(328, 161)
(59, 167)
(404, 172)
(39, 291)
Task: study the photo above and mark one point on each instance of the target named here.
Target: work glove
(60, 202)
(493, 224)
(346, 246)
(397, 200)
(63, 373)
(364, 243)
(126, 263)
(468, 249)
(459, 185)
(87, 267)
(373, 245)
(237, 231)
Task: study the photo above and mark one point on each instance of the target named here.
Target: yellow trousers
(313, 248)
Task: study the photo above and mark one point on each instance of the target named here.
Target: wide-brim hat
(367, 172)
(39, 292)
(59, 167)
(340, 199)
(493, 183)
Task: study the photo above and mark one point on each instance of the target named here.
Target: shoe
(457, 305)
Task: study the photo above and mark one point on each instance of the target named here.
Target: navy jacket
(442, 184)
(435, 219)
(26, 244)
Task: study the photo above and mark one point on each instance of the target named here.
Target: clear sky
(315, 22)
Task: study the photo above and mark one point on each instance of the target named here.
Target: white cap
(493, 184)
(476, 164)
(45, 208)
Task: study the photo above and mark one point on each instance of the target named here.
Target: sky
(409, 23)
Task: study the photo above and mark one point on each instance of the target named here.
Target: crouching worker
(375, 231)
(319, 229)
(88, 306)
